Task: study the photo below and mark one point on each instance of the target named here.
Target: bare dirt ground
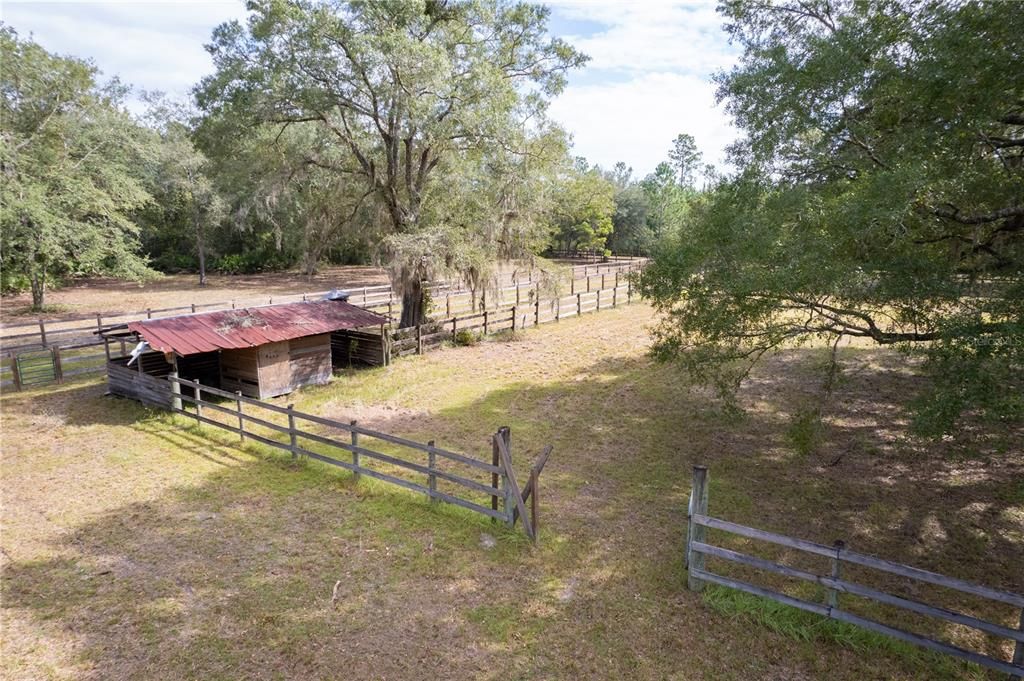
(108, 296)
(136, 546)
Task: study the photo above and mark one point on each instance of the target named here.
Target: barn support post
(431, 477)
(106, 347)
(241, 422)
(695, 532)
(355, 453)
(199, 402)
(292, 435)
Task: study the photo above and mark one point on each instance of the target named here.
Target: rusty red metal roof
(249, 327)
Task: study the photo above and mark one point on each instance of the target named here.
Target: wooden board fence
(471, 483)
(698, 550)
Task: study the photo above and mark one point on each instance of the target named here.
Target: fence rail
(698, 550)
(354, 454)
(514, 307)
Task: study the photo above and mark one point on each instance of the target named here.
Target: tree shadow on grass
(269, 569)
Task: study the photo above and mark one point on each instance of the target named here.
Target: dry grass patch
(135, 546)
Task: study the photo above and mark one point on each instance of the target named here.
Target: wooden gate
(38, 367)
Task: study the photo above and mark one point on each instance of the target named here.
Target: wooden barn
(259, 351)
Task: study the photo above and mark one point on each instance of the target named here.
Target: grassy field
(135, 546)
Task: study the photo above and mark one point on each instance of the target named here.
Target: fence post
(193, 308)
(1018, 649)
(558, 308)
(495, 459)
(534, 485)
(505, 433)
(572, 286)
(391, 299)
(292, 437)
(832, 595)
(448, 305)
(536, 311)
(16, 373)
(58, 372)
(599, 291)
(431, 478)
(42, 333)
(241, 422)
(419, 339)
(514, 316)
(149, 313)
(485, 321)
(106, 347)
(602, 281)
(199, 397)
(517, 292)
(99, 322)
(454, 321)
(588, 283)
(615, 293)
(355, 455)
(629, 290)
(579, 304)
(694, 532)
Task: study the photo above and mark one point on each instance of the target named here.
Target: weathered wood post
(16, 373)
(106, 347)
(431, 477)
(558, 308)
(505, 433)
(448, 305)
(536, 311)
(292, 436)
(495, 461)
(599, 292)
(454, 330)
(1018, 649)
(241, 422)
(832, 595)
(42, 332)
(572, 286)
(629, 290)
(419, 339)
(534, 493)
(58, 372)
(149, 313)
(193, 308)
(485, 322)
(514, 317)
(175, 386)
(695, 532)
(615, 294)
(199, 400)
(579, 304)
(99, 322)
(355, 454)
(391, 300)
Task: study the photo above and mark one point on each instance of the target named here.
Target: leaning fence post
(292, 436)
(534, 492)
(695, 532)
(431, 477)
(505, 433)
(832, 595)
(199, 400)
(355, 454)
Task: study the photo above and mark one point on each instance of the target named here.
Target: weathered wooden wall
(310, 360)
(128, 381)
(359, 347)
(275, 369)
(240, 371)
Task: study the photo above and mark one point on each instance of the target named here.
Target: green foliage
(878, 197)
(385, 97)
(582, 210)
(69, 155)
(465, 337)
(685, 157)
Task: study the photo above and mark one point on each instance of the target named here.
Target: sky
(648, 80)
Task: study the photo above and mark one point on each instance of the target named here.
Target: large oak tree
(398, 89)
(880, 195)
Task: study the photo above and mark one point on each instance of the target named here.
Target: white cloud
(635, 121)
(649, 79)
(150, 45)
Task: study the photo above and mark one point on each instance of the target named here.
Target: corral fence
(698, 550)
(489, 488)
(592, 287)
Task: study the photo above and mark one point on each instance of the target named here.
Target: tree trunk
(201, 251)
(413, 310)
(38, 282)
